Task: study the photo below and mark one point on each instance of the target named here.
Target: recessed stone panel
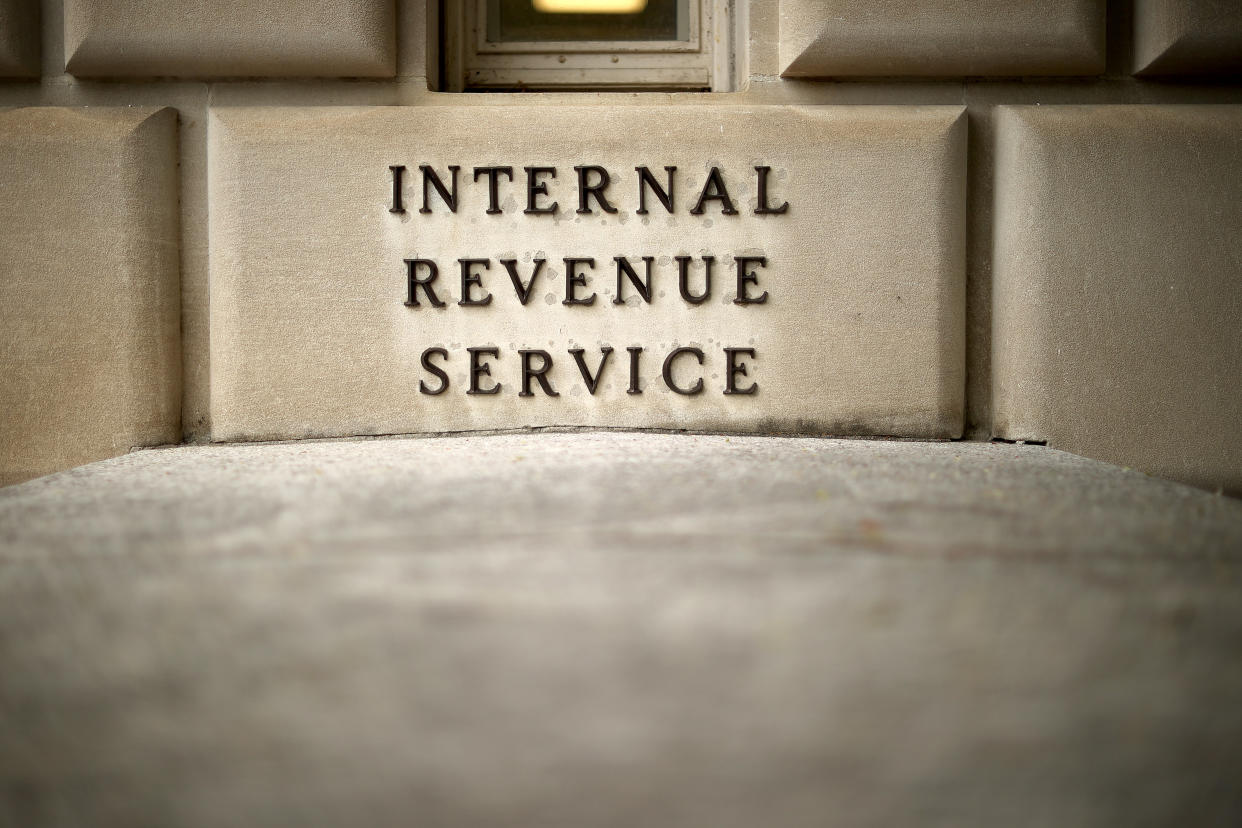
(191, 38)
(1118, 285)
(89, 296)
(940, 38)
(845, 225)
(1185, 37)
(19, 39)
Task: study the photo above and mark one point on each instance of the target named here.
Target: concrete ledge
(617, 629)
(613, 491)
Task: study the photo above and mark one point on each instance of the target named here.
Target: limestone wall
(1009, 219)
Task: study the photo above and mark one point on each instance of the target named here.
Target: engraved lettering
(536, 188)
(523, 290)
(539, 374)
(493, 185)
(645, 180)
(668, 372)
(414, 283)
(635, 353)
(591, 381)
(624, 271)
(733, 369)
(586, 190)
(762, 208)
(470, 280)
(398, 205)
(478, 369)
(575, 280)
(430, 177)
(746, 276)
(434, 369)
(683, 279)
(714, 190)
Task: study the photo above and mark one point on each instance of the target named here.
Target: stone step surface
(616, 629)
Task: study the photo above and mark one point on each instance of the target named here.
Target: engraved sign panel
(772, 269)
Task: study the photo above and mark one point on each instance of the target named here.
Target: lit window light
(590, 6)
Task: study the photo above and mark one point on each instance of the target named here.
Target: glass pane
(510, 21)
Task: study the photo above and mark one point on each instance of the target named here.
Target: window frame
(701, 62)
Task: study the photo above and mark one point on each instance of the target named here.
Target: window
(588, 44)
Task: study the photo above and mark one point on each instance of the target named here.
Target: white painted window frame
(704, 61)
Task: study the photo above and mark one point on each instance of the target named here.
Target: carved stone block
(19, 39)
(941, 38)
(1183, 37)
(1118, 285)
(833, 235)
(192, 38)
(90, 358)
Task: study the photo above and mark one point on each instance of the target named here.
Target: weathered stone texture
(832, 38)
(19, 39)
(230, 38)
(1176, 37)
(1118, 285)
(89, 294)
(615, 630)
(862, 331)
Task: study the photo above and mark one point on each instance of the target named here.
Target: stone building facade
(1008, 219)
